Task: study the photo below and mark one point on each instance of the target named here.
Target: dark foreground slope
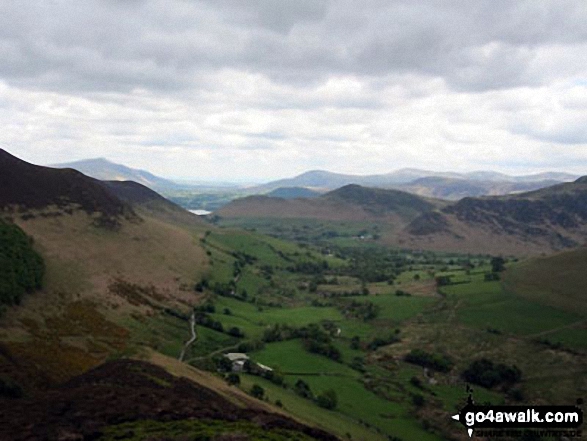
(25, 186)
(127, 399)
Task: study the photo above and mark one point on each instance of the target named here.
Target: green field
(504, 320)
(289, 357)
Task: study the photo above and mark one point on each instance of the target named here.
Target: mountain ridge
(105, 170)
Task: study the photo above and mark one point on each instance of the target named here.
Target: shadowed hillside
(351, 202)
(28, 186)
(151, 203)
(127, 397)
(548, 219)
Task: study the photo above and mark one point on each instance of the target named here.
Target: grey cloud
(108, 45)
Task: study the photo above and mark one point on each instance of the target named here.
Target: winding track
(191, 340)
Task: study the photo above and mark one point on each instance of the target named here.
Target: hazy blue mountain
(448, 185)
(293, 192)
(101, 168)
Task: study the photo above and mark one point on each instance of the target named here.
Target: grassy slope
(77, 320)
(558, 280)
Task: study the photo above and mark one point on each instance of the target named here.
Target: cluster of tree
(497, 264)
(21, 267)
(203, 319)
(447, 280)
(279, 332)
(325, 348)
(202, 285)
(484, 372)
(327, 399)
(314, 338)
(373, 264)
(257, 391)
(440, 363)
(353, 293)
(401, 293)
(490, 277)
(378, 342)
(243, 258)
(206, 321)
(309, 267)
(318, 341)
(361, 310)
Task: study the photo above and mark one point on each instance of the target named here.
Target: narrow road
(191, 340)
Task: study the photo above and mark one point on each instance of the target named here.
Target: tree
(497, 264)
(233, 379)
(235, 332)
(327, 399)
(303, 389)
(21, 267)
(257, 391)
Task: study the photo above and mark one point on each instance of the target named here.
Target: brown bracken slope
(127, 391)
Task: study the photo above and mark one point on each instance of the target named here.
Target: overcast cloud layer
(261, 89)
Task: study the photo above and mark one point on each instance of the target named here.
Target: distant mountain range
(443, 185)
(548, 219)
(321, 179)
(101, 168)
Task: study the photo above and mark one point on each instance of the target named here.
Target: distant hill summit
(380, 201)
(456, 188)
(28, 186)
(101, 168)
(445, 185)
(351, 202)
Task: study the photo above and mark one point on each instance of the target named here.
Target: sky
(254, 90)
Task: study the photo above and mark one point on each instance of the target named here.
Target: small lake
(200, 212)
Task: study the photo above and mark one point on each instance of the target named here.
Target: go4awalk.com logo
(515, 421)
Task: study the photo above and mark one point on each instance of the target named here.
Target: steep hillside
(146, 201)
(108, 402)
(558, 280)
(105, 262)
(113, 294)
(105, 170)
(549, 219)
(26, 186)
(351, 202)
